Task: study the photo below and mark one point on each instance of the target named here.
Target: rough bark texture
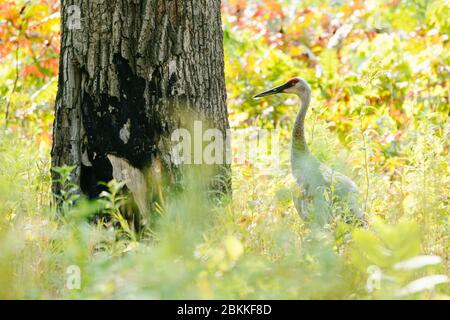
(134, 72)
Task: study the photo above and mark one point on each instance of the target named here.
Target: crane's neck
(299, 145)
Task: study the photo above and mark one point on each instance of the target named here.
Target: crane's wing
(344, 187)
(314, 178)
(340, 182)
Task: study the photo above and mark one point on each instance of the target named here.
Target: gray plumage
(319, 184)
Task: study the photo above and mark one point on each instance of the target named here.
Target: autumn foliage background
(380, 77)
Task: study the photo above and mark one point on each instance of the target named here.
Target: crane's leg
(321, 209)
(301, 205)
(315, 209)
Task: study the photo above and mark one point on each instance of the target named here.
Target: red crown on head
(293, 81)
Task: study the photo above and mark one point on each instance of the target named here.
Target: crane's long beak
(275, 90)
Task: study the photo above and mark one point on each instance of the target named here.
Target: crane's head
(296, 86)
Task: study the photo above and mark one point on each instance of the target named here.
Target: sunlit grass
(253, 247)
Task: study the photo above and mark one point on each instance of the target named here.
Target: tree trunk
(131, 72)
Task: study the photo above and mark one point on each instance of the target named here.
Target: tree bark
(131, 72)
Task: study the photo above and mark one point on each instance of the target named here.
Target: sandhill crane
(319, 183)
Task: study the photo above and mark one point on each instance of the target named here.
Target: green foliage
(380, 77)
(392, 255)
(437, 16)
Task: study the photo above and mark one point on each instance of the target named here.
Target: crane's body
(319, 183)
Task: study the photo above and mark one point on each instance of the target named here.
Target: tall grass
(254, 246)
